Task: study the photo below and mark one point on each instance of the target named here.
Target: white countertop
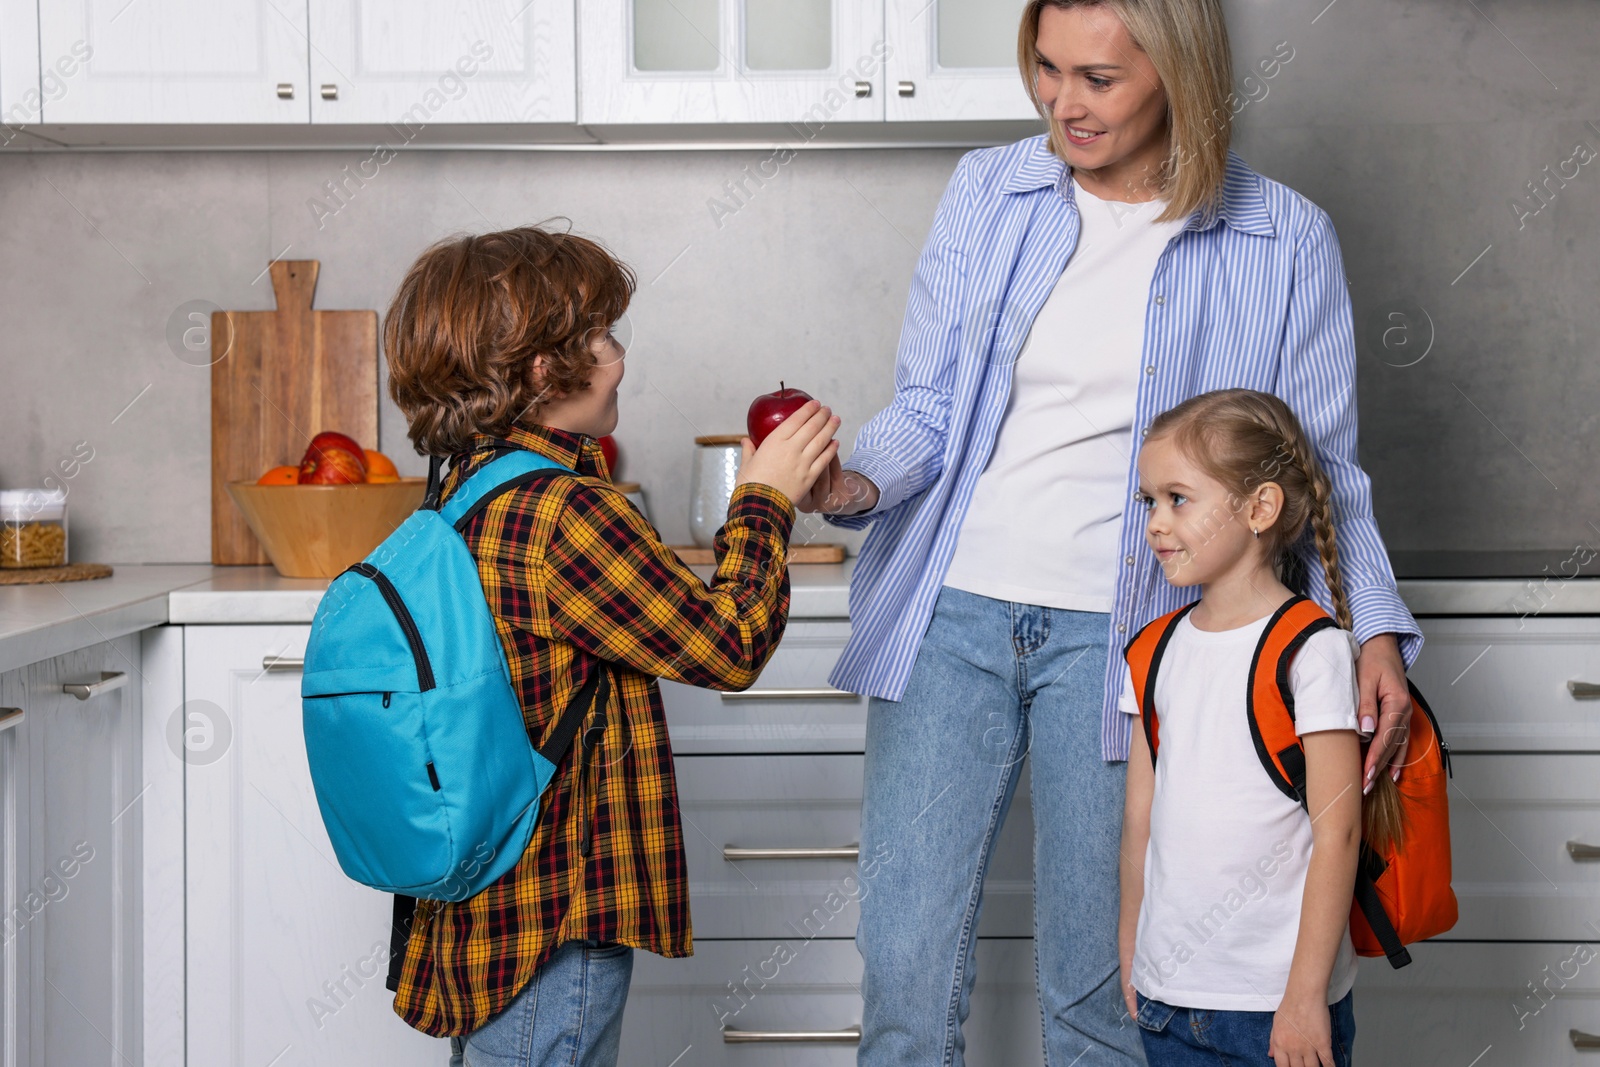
(38, 622)
(260, 594)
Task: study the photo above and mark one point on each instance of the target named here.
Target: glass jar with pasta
(33, 528)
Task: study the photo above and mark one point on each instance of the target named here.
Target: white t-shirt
(1226, 866)
(1046, 513)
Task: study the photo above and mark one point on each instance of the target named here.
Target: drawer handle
(10, 717)
(848, 1036)
(1581, 1040)
(1584, 691)
(821, 692)
(1580, 851)
(732, 853)
(109, 680)
(283, 663)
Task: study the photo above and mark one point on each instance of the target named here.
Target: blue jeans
(994, 681)
(1178, 1037)
(570, 1013)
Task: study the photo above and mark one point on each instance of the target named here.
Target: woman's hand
(794, 454)
(840, 492)
(1385, 706)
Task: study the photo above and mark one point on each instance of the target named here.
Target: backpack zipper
(408, 625)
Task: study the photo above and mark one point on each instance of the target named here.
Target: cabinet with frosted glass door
(954, 60)
(807, 62)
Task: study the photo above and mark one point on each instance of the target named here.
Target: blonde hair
(1187, 42)
(1245, 439)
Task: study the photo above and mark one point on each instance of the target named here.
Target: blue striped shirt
(1254, 296)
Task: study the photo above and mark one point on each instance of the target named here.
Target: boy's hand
(1302, 1033)
(793, 454)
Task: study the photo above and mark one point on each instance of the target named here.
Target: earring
(1256, 533)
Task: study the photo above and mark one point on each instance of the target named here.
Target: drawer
(797, 1004)
(1503, 683)
(803, 816)
(790, 708)
(1457, 1002)
(1511, 819)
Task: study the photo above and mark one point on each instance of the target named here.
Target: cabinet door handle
(109, 680)
(1581, 1040)
(330, 91)
(286, 90)
(850, 1035)
(283, 663)
(822, 692)
(10, 717)
(843, 852)
(1580, 851)
(1583, 691)
(907, 88)
(863, 89)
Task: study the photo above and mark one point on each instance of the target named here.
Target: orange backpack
(1401, 896)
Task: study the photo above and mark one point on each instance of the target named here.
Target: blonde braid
(1322, 524)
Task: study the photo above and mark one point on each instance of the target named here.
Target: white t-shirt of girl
(1046, 513)
(1225, 870)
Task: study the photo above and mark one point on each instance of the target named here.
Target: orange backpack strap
(1269, 701)
(1144, 654)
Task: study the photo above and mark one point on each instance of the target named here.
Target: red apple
(331, 466)
(608, 448)
(769, 410)
(330, 439)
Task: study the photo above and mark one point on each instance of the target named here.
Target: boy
(504, 341)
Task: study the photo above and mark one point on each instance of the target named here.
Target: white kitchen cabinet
(806, 62)
(954, 59)
(1458, 1005)
(286, 955)
(178, 61)
(20, 98)
(418, 62)
(69, 860)
(793, 1002)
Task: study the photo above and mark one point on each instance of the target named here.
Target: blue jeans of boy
(570, 1013)
(994, 682)
(1195, 1037)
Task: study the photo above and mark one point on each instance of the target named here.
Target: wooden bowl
(316, 531)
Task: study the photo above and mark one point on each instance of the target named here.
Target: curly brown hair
(1244, 439)
(473, 311)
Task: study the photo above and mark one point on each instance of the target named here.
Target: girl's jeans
(994, 681)
(1194, 1037)
(570, 1013)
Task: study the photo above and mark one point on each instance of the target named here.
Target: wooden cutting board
(281, 378)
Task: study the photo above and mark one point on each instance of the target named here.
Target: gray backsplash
(1416, 125)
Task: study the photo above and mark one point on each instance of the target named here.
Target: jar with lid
(33, 528)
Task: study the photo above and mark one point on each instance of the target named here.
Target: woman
(1073, 286)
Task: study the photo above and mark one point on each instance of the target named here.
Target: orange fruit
(380, 468)
(280, 476)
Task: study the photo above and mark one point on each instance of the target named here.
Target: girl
(1234, 932)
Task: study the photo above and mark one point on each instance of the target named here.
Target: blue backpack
(428, 781)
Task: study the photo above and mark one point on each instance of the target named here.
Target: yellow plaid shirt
(574, 575)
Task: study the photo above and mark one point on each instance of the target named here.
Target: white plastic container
(33, 528)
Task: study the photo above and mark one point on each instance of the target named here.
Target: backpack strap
(1269, 700)
(1369, 868)
(494, 479)
(1144, 654)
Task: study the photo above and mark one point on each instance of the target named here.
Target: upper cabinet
(173, 61)
(414, 62)
(809, 62)
(633, 66)
(954, 59)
